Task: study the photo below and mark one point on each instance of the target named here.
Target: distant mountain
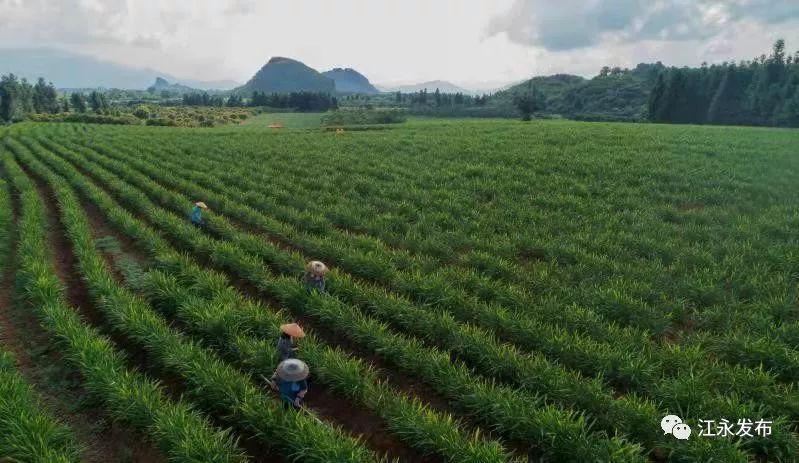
(431, 86)
(283, 75)
(71, 70)
(350, 81)
(162, 84)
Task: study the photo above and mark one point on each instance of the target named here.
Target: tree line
(438, 98)
(20, 99)
(764, 91)
(300, 101)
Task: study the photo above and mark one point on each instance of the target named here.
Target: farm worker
(291, 378)
(197, 213)
(315, 276)
(285, 345)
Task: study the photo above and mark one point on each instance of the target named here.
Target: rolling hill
(283, 75)
(162, 84)
(618, 95)
(350, 81)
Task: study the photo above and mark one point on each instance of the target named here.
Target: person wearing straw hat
(315, 276)
(197, 214)
(291, 380)
(285, 344)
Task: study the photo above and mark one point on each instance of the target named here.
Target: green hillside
(350, 81)
(284, 75)
(614, 94)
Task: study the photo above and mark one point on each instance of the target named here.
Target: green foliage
(27, 432)
(529, 101)
(485, 262)
(78, 102)
(130, 397)
(759, 92)
(344, 117)
(209, 381)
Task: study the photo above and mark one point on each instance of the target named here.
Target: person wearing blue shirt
(197, 214)
(291, 380)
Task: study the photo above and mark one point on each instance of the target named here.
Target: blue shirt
(290, 389)
(197, 215)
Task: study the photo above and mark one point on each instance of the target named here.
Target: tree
(657, 103)
(45, 97)
(98, 102)
(528, 102)
(78, 102)
(64, 104)
(10, 105)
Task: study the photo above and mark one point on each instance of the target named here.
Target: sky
(469, 42)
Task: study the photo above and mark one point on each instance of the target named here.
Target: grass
(288, 120)
(562, 284)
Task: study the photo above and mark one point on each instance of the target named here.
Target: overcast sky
(399, 41)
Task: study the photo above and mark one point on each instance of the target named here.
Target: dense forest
(20, 99)
(764, 91)
(299, 101)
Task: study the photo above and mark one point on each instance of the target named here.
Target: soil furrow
(330, 406)
(120, 443)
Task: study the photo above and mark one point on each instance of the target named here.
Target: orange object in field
(293, 330)
(275, 125)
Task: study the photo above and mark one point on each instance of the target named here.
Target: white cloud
(570, 24)
(402, 40)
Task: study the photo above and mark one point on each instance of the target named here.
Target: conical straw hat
(292, 329)
(292, 370)
(316, 267)
(201, 205)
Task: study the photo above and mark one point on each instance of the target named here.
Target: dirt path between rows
(106, 440)
(358, 420)
(10, 336)
(330, 406)
(257, 452)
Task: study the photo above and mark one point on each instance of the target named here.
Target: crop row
(699, 287)
(740, 348)
(27, 432)
(209, 381)
(753, 348)
(254, 272)
(517, 415)
(678, 393)
(178, 430)
(617, 361)
(233, 323)
(382, 259)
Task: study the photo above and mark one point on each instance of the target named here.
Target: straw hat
(201, 205)
(293, 330)
(316, 267)
(292, 370)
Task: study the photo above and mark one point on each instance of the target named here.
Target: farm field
(499, 290)
(288, 120)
